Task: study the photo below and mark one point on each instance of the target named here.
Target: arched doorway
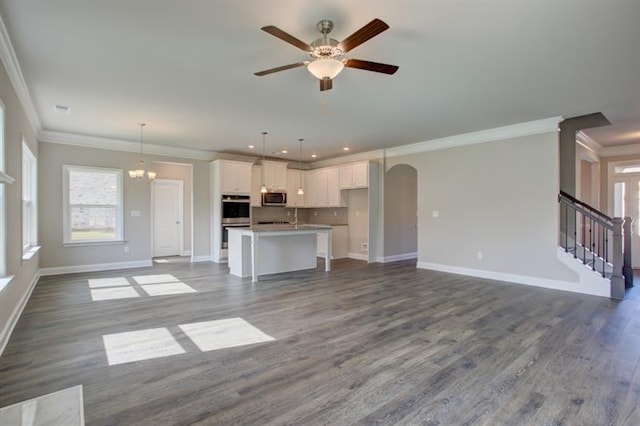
(400, 213)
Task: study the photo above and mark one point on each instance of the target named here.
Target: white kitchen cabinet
(334, 196)
(234, 177)
(324, 188)
(275, 175)
(256, 183)
(339, 242)
(354, 175)
(293, 183)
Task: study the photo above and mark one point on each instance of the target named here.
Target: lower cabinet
(339, 242)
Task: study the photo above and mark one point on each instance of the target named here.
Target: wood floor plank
(363, 344)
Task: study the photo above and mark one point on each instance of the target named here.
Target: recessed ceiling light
(284, 151)
(346, 148)
(313, 156)
(251, 146)
(63, 109)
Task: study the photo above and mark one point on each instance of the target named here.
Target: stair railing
(598, 240)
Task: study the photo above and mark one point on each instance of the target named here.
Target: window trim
(66, 218)
(29, 184)
(3, 197)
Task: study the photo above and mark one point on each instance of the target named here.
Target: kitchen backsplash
(326, 216)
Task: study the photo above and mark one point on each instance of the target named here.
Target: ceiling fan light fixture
(325, 68)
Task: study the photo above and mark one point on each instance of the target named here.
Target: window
(93, 205)
(29, 199)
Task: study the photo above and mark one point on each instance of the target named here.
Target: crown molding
(620, 150)
(499, 133)
(12, 67)
(121, 145)
(588, 142)
(351, 158)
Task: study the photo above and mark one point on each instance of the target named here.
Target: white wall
(498, 198)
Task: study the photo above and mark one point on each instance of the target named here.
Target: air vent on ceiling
(63, 109)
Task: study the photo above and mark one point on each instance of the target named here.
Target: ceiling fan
(328, 55)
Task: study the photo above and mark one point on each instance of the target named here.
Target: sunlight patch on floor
(225, 333)
(64, 407)
(153, 285)
(167, 288)
(155, 279)
(113, 293)
(141, 345)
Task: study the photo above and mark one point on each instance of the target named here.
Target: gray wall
(400, 208)
(16, 126)
(498, 198)
(137, 196)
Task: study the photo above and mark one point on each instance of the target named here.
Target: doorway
(167, 217)
(624, 200)
(401, 213)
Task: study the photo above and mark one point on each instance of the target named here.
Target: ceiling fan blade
(282, 68)
(326, 84)
(371, 66)
(365, 33)
(277, 32)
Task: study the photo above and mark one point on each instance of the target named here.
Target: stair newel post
(617, 279)
(627, 269)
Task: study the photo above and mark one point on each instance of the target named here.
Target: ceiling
(186, 68)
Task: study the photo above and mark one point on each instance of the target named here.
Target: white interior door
(167, 213)
(625, 201)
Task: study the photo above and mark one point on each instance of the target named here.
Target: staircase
(599, 242)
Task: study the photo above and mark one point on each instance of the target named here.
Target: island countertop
(286, 227)
(275, 248)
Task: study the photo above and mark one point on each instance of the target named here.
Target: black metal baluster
(566, 228)
(593, 246)
(583, 241)
(575, 234)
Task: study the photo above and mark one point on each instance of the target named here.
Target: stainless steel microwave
(274, 199)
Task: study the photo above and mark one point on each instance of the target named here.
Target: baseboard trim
(570, 286)
(186, 253)
(358, 256)
(95, 267)
(195, 259)
(17, 312)
(398, 257)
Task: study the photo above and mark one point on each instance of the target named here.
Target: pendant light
(140, 171)
(263, 188)
(300, 190)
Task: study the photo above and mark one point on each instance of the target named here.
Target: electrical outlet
(288, 212)
(480, 255)
(435, 213)
(364, 246)
(335, 213)
(126, 249)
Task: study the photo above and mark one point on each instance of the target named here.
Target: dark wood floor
(364, 344)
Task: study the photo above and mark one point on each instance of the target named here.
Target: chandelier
(141, 171)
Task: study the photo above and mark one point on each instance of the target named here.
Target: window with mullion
(93, 202)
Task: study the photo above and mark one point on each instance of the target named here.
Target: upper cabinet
(354, 175)
(323, 188)
(294, 179)
(275, 175)
(234, 177)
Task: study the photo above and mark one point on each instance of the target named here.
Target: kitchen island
(271, 249)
